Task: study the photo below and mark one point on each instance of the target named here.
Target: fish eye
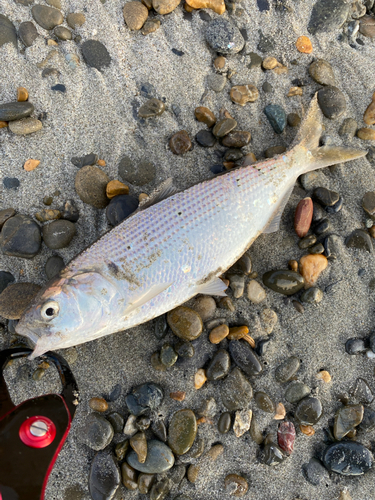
(50, 310)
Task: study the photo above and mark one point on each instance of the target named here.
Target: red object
(37, 441)
(303, 217)
(286, 435)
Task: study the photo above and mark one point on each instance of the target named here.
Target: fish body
(168, 252)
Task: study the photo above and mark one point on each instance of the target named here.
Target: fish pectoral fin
(214, 287)
(148, 295)
(274, 224)
(164, 191)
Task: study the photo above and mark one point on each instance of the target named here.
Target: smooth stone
(368, 203)
(242, 94)
(63, 33)
(75, 19)
(309, 411)
(168, 355)
(53, 266)
(96, 432)
(216, 82)
(348, 458)
(286, 435)
(135, 15)
(315, 472)
(307, 241)
(25, 126)
(219, 365)
(161, 327)
(140, 174)
(58, 234)
(235, 485)
(70, 211)
(336, 207)
(322, 226)
(15, 110)
(256, 60)
(15, 299)
(205, 138)
(160, 490)
(143, 398)
(152, 107)
(348, 128)
(224, 37)
(267, 87)
(233, 155)
(355, 346)
(273, 454)
(359, 239)
(83, 161)
(293, 120)
(90, 184)
(236, 391)
(224, 423)
(368, 421)
(6, 214)
(142, 423)
(283, 281)
(159, 458)
(95, 54)
(104, 477)
(276, 117)
(266, 43)
(205, 306)
(255, 292)
(28, 33)
(326, 197)
(145, 482)
(20, 237)
(120, 207)
(182, 431)
(117, 422)
(346, 419)
(185, 323)
(164, 7)
(245, 358)
(185, 349)
(321, 71)
(180, 143)
(47, 17)
(224, 126)
(312, 296)
(129, 477)
(362, 392)
(332, 102)
(11, 183)
(367, 26)
(50, 72)
(255, 432)
(236, 139)
(8, 33)
(328, 15)
(316, 249)
(264, 402)
(139, 444)
(158, 428)
(5, 279)
(205, 115)
(296, 391)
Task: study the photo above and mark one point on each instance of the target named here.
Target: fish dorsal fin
(274, 223)
(145, 297)
(164, 191)
(213, 287)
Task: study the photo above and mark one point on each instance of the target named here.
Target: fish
(175, 246)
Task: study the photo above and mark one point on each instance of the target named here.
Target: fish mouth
(26, 332)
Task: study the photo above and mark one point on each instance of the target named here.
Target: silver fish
(174, 247)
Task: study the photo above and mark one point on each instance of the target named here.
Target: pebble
(367, 26)
(267, 87)
(241, 94)
(303, 217)
(145, 482)
(130, 428)
(324, 375)
(95, 54)
(135, 14)
(321, 71)
(20, 237)
(115, 188)
(348, 458)
(368, 203)
(129, 477)
(235, 485)
(6, 214)
(296, 391)
(236, 391)
(11, 183)
(273, 455)
(355, 346)
(98, 404)
(70, 211)
(139, 444)
(217, 6)
(286, 435)
(369, 115)
(268, 318)
(280, 412)
(180, 143)
(304, 45)
(336, 207)
(15, 298)
(242, 421)
(368, 421)
(96, 432)
(184, 349)
(30, 165)
(219, 62)
(104, 477)
(22, 94)
(237, 139)
(27, 32)
(359, 239)
(270, 63)
(47, 17)
(90, 184)
(224, 423)
(219, 366)
(205, 138)
(63, 33)
(311, 266)
(322, 227)
(25, 126)
(8, 33)
(82, 161)
(328, 15)
(317, 249)
(287, 369)
(158, 428)
(185, 323)
(283, 281)
(200, 378)
(117, 422)
(362, 392)
(332, 102)
(348, 128)
(75, 19)
(224, 37)
(168, 355)
(120, 207)
(178, 395)
(264, 402)
(216, 82)
(224, 126)
(58, 234)
(143, 423)
(47, 214)
(346, 419)
(140, 174)
(204, 115)
(152, 107)
(293, 120)
(312, 296)
(326, 197)
(237, 284)
(160, 490)
(159, 458)
(366, 134)
(143, 398)
(245, 358)
(205, 306)
(276, 117)
(309, 411)
(182, 431)
(5, 279)
(315, 472)
(255, 292)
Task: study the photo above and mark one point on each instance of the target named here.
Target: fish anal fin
(213, 287)
(146, 296)
(164, 191)
(274, 224)
(330, 155)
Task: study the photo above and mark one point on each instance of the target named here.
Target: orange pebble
(101, 163)
(308, 430)
(3, 124)
(177, 395)
(30, 165)
(304, 45)
(115, 188)
(22, 94)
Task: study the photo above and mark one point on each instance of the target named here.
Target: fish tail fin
(306, 144)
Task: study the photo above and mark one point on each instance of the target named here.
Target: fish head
(69, 311)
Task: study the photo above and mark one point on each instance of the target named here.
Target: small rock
(135, 14)
(368, 203)
(348, 458)
(5, 279)
(117, 422)
(270, 63)
(159, 458)
(144, 397)
(22, 94)
(296, 391)
(217, 6)
(20, 237)
(245, 358)
(328, 15)
(224, 37)
(216, 82)
(280, 412)
(129, 477)
(180, 143)
(348, 128)
(104, 477)
(315, 472)
(30, 165)
(355, 346)
(152, 107)
(276, 116)
(286, 435)
(324, 375)
(365, 134)
(312, 296)
(83, 161)
(205, 306)
(25, 126)
(182, 431)
(168, 355)
(224, 423)
(242, 421)
(70, 211)
(75, 19)
(255, 292)
(362, 392)
(369, 115)
(304, 45)
(150, 26)
(286, 370)
(326, 197)
(47, 17)
(359, 239)
(237, 139)
(90, 184)
(200, 378)
(185, 323)
(95, 54)
(309, 411)
(140, 174)
(311, 266)
(241, 94)
(53, 266)
(268, 318)
(139, 444)
(236, 391)
(145, 482)
(367, 26)
(332, 102)
(293, 120)
(235, 485)
(130, 429)
(178, 395)
(96, 432)
(98, 404)
(28, 33)
(205, 138)
(164, 7)
(15, 299)
(284, 281)
(120, 207)
(273, 455)
(203, 114)
(321, 71)
(346, 419)
(264, 402)
(224, 126)
(219, 365)
(63, 33)
(58, 234)
(303, 217)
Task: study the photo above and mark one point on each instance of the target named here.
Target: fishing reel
(33, 433)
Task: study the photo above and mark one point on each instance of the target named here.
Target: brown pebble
(177, 395)
(224, 113)
(280, 412)
(188, 8)
(202, 420)
(236, 485)
(135, 15)
(200, 378)
(308, 430)
(139, 444)
(218, 334)
(248, 159)
(150, 26)
(217, 6)
(164, 7)
(237, 332)
(372, 231)
(224, 126)
(226, 303)
(48, 214)
(366, 134)
(293, 91)
(52, 43)
(241, 94)
(205, 115)
(324, 375)
(304, 45)
(30, 165)
(367, 26)
(293, 265)
(236, 139)
(115, 188)
(303, 217)
(3, 124)
(98, 404)
(270, 63)
(22, 94)
(180, 143)
(229, 164)
(369, 116)
(142, 197)
(101, 163)
(280, 69)
(298, 306)
(219, 62)
(310, 267)
(15, 299)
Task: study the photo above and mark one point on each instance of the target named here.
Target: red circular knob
(37, 432)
